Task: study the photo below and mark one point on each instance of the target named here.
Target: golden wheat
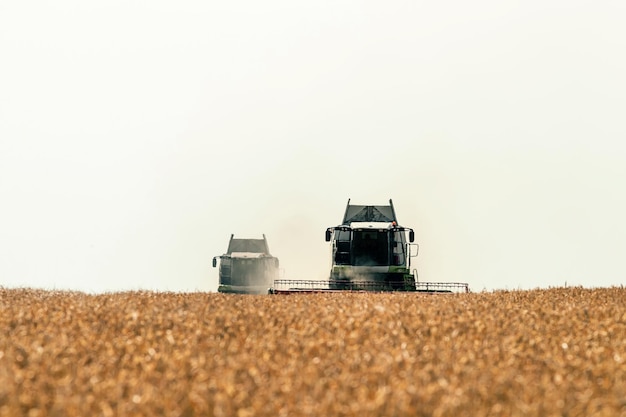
(554, 352)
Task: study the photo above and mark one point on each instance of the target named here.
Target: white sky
(136, 136)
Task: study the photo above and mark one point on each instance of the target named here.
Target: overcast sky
(136, 136)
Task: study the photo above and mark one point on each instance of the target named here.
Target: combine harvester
(247, 267)
(370, 252)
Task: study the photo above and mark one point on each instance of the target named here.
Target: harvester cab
(247, 267)
(370, 250)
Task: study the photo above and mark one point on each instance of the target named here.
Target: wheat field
(548, 352)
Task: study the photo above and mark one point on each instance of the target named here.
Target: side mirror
(328, 233)
(411, 236)
(214, 261)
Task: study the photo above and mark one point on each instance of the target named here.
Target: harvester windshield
(370, 247)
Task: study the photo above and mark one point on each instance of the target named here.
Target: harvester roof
(248, 255)
(371, 225)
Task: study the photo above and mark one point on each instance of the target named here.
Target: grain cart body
(247, 267)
